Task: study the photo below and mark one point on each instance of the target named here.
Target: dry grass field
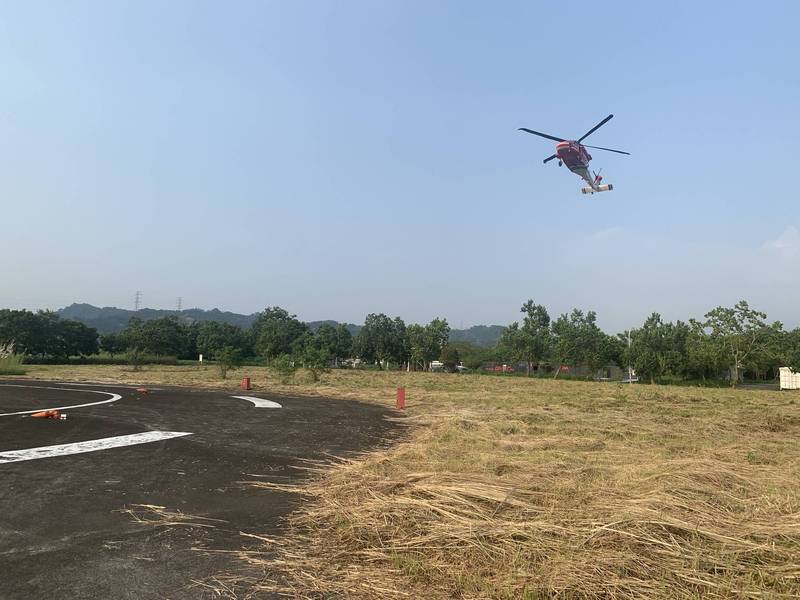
(511, 488)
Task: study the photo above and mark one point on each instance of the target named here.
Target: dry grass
(161, 516)
(513, 488)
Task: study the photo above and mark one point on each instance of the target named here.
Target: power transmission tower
(137, 302)
(180, 302)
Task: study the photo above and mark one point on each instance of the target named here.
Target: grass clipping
(161, 516)
(569, 490)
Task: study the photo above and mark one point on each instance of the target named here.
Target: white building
(789, 379)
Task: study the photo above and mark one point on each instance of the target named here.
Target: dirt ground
(73, 526)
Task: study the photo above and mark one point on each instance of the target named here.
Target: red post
(246, 383)
(401, 398)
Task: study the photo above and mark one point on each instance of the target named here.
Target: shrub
(315, 361)
(228, 359)
(134, 357)
(11, 364)
(284, 366)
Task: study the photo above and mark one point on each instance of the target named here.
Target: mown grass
(513, 488)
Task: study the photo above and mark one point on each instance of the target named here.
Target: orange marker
(49, 414)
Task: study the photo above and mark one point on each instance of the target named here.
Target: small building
(789, 379)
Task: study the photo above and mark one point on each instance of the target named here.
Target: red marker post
(401, 398)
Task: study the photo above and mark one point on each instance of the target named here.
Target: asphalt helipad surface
(65, 482)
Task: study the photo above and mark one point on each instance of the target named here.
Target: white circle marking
(114, 398)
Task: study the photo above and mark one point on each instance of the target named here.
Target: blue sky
(340, 158)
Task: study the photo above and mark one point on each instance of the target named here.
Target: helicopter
(573, 154)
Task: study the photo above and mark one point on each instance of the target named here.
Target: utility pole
(137, 302)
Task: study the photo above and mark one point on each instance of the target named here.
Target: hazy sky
(340, 158)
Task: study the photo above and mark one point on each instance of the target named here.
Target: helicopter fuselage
(576, 158)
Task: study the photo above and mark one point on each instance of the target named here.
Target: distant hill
(353, 329)
(113, 320)
(480, 335)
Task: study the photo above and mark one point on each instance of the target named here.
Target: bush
(228, 359)
(284, 366)
(11, 364)
(134, 357)
(315, 361)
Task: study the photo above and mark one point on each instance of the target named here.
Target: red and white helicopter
(573, 154)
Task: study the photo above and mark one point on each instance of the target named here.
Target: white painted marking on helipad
(88, 446)
(259, 402)
(114, 398)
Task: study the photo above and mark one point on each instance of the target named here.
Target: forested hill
(480, 335)
(112, 320)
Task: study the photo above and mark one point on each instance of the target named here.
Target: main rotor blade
(549, 158)
(544, 135)
(596, 127)
(608, 149)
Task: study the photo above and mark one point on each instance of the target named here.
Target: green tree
(704, 359)
(513, 342)
(73, 338)
(417, 340)
(577, 340)
(285, 366)
(45, 334)
(228, 359)
(131, 335)
(277, 332)
(112, 343)
(315, 359)
(399, 342)
(336, 341)
(325, 337)
(382, 339)
(425, 343)
(740, 332)
(768, 357)
(437, 335)
(472, 355)
(790, 355)
(658, 348)
(25, 330)
(450, 357)
(614, 350)
(162, 337)
(135, 358)
(212, 336)
(344, 343)
(535, 332)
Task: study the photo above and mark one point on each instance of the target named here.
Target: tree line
(727, 343)
(274, 334)
(43, 334)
